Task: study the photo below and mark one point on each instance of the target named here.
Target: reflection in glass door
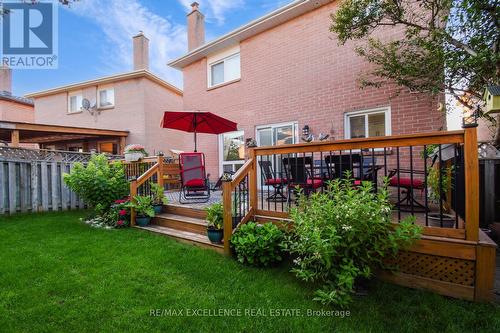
(232, 151)
(277, 135)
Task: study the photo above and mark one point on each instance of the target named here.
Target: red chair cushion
(406, 182)
(275, 181)
(315, 183)
(197, 182)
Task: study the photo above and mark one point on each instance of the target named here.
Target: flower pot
(133, 156)
(158, 209)
(435, 220)
(142, 221)
(215, 236)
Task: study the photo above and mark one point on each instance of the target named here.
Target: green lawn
(57, 274)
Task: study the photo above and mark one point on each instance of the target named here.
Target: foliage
(215, 216)
(343, 234)
(258, 244)
(433, 175)
(143, 206)
(60, 265)
(99, 183)
(158, 195)
(450, 44)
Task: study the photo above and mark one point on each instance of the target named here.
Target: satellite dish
(85, 104)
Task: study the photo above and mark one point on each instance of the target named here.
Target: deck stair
(184, 224)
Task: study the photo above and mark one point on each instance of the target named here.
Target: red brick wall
(297, 72)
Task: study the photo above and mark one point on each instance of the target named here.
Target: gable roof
(494, 90)
(108, 79)
(266, 22)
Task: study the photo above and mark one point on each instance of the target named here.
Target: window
(225, 70)
(368, 124)
(75, 103)
(106, 97)
(232, 151)
(108, 147)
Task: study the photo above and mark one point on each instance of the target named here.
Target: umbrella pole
(195, 143)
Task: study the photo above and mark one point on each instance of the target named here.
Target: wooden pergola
(16, 133)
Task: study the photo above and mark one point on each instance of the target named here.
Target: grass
(57, 274)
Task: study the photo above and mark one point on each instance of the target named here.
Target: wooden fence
(35, 186)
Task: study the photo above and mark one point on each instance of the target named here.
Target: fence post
(159, 174)
(252, 180)
(133, 193)
(228, 216)
(471, 170)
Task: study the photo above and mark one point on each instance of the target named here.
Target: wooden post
(227, 192)
(471, 169)
(122, 144)
(133, 193)
(252, 180)
(14, 138)
(484, 290)
(160, 171)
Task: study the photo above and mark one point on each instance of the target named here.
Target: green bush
(143, 206)
(342, 235)
(99, 183)
(215, 216)
(258, 244)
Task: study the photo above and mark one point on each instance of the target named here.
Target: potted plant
(159, 198)
(215, 218)
(143, 206)
(437, 195)
(135, 152)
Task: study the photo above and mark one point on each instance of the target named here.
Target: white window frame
(386, 110)
(78, 95)
(219, 58)
(99, 106)
(221, 153)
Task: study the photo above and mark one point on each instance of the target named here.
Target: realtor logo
(29, 34)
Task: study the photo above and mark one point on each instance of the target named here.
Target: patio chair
(271, 178)
(408, 184)
(361, 168)
(195, 187)
(299, 173)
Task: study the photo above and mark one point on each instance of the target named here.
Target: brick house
(285, 72)
(133, 101)
(13, 108)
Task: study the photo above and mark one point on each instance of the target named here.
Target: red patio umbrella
(197, 122)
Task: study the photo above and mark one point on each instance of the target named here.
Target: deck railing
(429, 174)
(238, 207)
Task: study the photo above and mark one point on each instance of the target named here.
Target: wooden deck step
(185, 211)
(182, 223)
(185, 237)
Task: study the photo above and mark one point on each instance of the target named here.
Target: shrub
(258, 244)
(158, 194)
(342, 235)
(215, 216)
(143, 206)
(99, 183)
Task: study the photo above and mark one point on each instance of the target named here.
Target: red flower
(122, 212)
(119, 201)
(120, 223)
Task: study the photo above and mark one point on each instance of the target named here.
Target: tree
(447, 45)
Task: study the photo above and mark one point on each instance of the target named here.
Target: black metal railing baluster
(399, 181)
(411, 182)
(440, 185)
(425, 188)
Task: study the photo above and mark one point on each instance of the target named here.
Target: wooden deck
(458, 262)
